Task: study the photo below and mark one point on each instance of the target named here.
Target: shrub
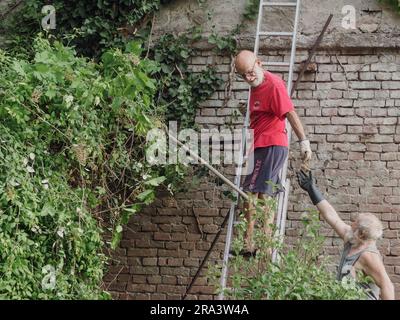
(73, 149)
(300, 273)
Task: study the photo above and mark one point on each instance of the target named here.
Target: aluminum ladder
(283, 196)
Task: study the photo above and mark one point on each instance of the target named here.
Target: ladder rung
(289, 34)
(280, 64)
(280, 4)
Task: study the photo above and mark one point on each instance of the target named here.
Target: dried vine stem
(228, 86)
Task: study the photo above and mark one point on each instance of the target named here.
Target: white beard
(259, 78)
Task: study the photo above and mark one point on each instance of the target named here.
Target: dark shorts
(265, 176)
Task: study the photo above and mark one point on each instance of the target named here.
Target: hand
(305, 150)
(306, 182)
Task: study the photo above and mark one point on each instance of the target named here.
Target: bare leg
(249, 210)
(269, 215)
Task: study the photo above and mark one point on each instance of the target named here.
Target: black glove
(306, 183)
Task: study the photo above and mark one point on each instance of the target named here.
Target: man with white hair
(360, 252)
(270, 105)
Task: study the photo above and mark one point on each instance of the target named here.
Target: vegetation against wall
(301, 273)
(73, 152)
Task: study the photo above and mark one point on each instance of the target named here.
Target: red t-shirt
(269, 103)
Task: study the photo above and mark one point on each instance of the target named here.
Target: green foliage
(92, 26)
(224, 44)
(181, 91)
(86, 122)
(394, 3)
(44, 225)
(73, 148)
(99, 24)
(251, 9)
(300, 274)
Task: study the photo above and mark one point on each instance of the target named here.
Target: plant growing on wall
(74, 163)
(73, 150)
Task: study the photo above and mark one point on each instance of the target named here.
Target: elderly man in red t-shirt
(270, 105)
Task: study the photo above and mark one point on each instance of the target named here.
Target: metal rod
(276, 34)
(311, 54)
(276, 63)
(206, 256)
(279, 4)
(215, 171)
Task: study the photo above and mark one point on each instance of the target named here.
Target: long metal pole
(215, 171)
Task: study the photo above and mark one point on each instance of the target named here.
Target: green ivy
(251, 9)
(97, 25)
(180, 90)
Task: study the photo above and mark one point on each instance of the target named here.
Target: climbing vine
(74, 163)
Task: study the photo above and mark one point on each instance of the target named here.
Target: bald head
(244, 61)
(249, 67)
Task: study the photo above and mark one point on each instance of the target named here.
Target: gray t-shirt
(348, 262)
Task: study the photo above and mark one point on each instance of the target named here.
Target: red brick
(149, 227)
(158, 296)
(169, 280)
(173, 253)
(178, 237)
(138, 279)
(175, 271)
(162, 236)
(188, 245)
(142, 252)
(139, 296)
(211, 212)
(203, 289)
(164, 228)
(163, 288)
(149, 261)
(141, 288)
(172, 245)
(394, 261)
(170, 211)
(144, 270)
(191, 262)
(142, 243)
(154, 279)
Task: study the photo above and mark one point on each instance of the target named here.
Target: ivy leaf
(134, 47)
(50, 93)
(117, 236)
(17, 66)
(147, 196)
(156, 181)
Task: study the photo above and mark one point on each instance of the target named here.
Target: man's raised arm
(327, 211)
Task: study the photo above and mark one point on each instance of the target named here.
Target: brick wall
(350, 108)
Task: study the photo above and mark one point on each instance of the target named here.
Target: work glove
(306, 183)
(305, 150)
